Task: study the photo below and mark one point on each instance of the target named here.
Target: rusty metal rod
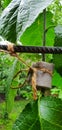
(33, 49)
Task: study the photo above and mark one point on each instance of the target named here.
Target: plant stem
(44, 34)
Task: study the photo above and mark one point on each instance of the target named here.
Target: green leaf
(50, 113)
(28, 119)
(8, 21)
(10, 93)
(58, 42)
(55, 81)
(6, 2)
(19, 15)
(28, 12)
(34, 34)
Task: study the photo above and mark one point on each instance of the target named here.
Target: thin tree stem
(44, 33)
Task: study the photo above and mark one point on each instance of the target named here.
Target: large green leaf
(50, 113)
(28, 12)
(28, 119)
(34, 34)
(19, 15)
(57, 59)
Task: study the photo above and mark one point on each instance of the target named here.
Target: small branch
(52, 26)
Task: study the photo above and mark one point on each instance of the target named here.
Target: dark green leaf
(28, 119)
(58, 42)
(50, 113)
(19, 15)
